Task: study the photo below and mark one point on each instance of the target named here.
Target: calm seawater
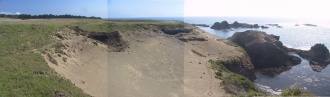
(300, 37)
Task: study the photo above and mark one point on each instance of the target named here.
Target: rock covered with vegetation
(177, 30)
(234, 83)
(241, 65)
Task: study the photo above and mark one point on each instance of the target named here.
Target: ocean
(299, 37)
(291, 35)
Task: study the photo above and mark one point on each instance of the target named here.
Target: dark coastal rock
(276, 37)
(274, 25)
(244, 25)
(201, 25)
(318, 56)
(319, 53)
(112, 39)
(236, 25)
(241, 65)
(255, 26)
(264, 27)
(264, 50)
(106, 37)
(312, 25)
(225, 25)
(220, 26)
(174, 31)
(192, 39)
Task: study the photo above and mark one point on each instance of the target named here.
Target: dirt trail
(153, 65)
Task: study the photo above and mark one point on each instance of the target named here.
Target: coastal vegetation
(295, 91)
(24, 71)
(234, 83)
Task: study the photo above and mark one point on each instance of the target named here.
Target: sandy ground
(199, 78)
(86, 64)
(154, 65)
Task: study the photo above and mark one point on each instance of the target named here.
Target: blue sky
(100, 8)
(146, 8)
(75, 7)
(312, 9)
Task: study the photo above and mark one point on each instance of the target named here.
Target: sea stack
(265, 51)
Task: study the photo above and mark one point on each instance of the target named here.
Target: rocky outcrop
(318, 56)
(201, 25)
(312, 25)
(241, 65)
(274, 25)
(236, 25)
(112, 39)
(225, 25)
(177, 30)
(220, 26)
(264, 27)
(276, 37)
(265, 51)
(244, 25)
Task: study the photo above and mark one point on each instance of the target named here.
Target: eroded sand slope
(153, 64)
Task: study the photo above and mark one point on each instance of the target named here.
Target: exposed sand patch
(153, 65)
(85, 63)
(199, 78)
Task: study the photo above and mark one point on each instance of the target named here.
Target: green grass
(234, 83)
(145, 24)
(24, 73)
(295, 91)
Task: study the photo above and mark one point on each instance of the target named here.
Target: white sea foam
(268, 89)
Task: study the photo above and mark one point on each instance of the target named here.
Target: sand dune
(153, 65)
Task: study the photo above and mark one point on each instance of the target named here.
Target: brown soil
(152, 65)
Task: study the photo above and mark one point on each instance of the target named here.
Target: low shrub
(234, 83)
(295, 91)
(51, 59)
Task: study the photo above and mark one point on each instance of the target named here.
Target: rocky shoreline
(269, 55)
(226, 25)
(318, 56)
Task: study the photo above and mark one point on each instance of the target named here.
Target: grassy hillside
(23, 71)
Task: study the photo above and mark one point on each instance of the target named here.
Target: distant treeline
(44, 16)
